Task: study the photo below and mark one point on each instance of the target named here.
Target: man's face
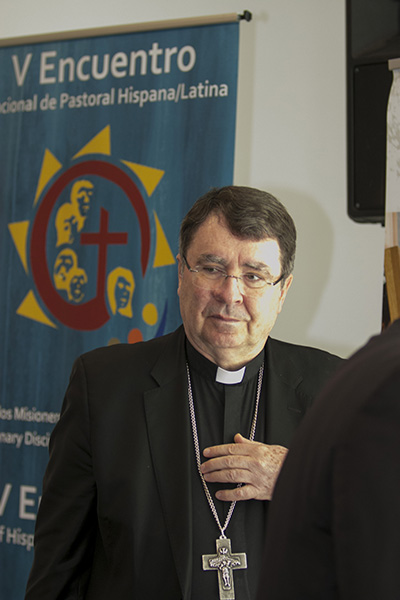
(227, 326)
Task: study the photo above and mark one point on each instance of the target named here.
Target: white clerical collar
(229, 377)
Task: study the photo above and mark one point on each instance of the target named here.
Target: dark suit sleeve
(366, 493)
(66, 522)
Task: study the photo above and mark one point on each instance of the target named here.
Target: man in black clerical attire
(166, 453)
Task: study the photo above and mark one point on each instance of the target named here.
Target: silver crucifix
(224, 562)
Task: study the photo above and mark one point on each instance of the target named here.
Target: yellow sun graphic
(150, 177)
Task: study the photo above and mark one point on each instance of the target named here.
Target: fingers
(245, 492)
(238, 447)
(253, 464)
(222, 472)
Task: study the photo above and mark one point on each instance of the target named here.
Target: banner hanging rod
(129, 28)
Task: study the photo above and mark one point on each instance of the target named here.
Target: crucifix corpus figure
(224, 562)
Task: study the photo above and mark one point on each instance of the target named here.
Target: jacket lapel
(284, 402)
(171, 447)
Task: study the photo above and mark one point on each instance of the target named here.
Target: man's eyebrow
(219, 260)
(258, 266)
(212, 258)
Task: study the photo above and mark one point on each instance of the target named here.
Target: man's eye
(208, 270)
(253, 277)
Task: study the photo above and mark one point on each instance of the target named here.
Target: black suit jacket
(115, 516)
(334, 521)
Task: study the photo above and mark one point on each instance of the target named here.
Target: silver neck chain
(197, 448)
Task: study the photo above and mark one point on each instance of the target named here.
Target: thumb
(240, 439)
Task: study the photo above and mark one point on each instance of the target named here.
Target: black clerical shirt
(222, 410)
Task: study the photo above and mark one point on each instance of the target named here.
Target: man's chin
(225, 339)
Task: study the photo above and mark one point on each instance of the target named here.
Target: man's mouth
(225, 319)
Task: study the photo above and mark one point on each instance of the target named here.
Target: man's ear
(180, 265)
(284, 291)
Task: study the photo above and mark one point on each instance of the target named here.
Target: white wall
(291, 141)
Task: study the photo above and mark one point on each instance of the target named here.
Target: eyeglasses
(210, 277)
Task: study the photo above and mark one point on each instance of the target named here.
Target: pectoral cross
(224, 562)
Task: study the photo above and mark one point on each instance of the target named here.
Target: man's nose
(229, 291)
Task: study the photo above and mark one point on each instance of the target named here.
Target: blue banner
(105, 143)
